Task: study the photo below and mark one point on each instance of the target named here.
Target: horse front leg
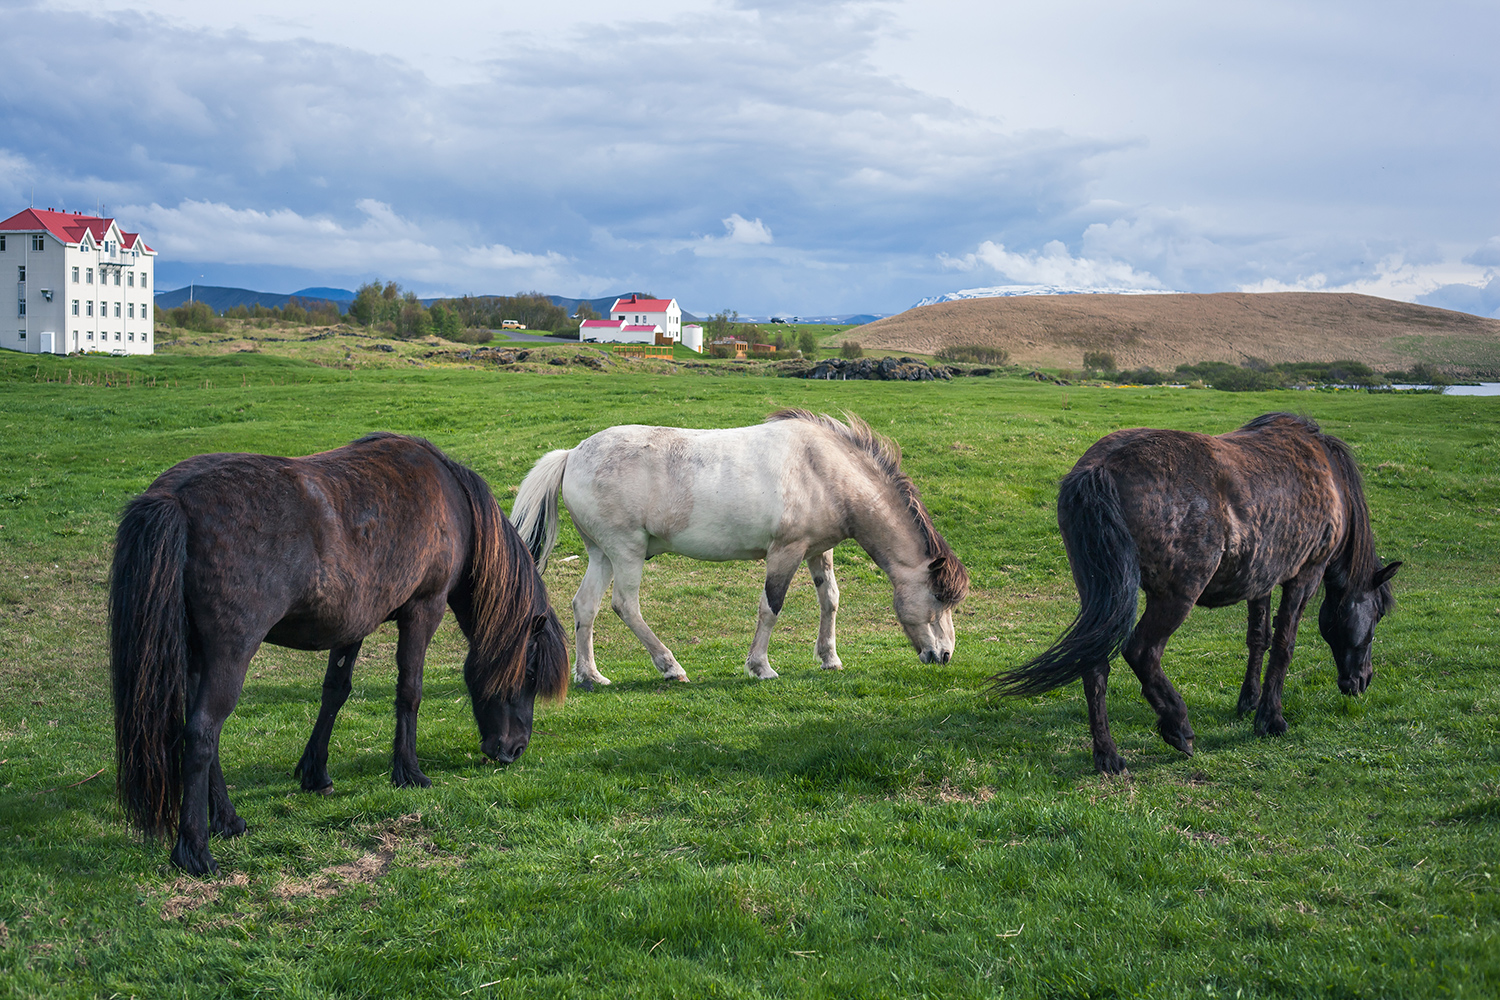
(586, 605)
(337, 683)
(821, 567)
(626, 602)
(1295, 594)
(1163, 616)
(781, 566)
(203, 789)
(1257, 638)
(415, 623)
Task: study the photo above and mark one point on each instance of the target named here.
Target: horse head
(504, 717)
(1347, 620)
(925, 598)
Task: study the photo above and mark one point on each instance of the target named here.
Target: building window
(117, 334)
(2, 244)
(131, 279)
(21, 308)
(117, 278)
(90, 307)
(117, 311)
(88, 275)
(75, 307)
(131, 311)
(21, 273)
(37, 243)
(132, 336)
(75, 275)
(21, 334)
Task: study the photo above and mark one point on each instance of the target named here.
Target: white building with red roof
(637, 310)
(82, 284)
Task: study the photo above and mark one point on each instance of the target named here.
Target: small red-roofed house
(637, 310)
(82, 284)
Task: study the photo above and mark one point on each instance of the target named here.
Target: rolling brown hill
(1164, 331)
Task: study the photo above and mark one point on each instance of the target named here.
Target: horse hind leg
(1257, 639)
(1143, 653)
(626, 602)
(821, 567)
(337, 683)
(204, 793)
(586, 605)
(1107, 757)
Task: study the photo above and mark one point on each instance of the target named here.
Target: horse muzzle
(503, 752)
(935, 655)
(1356, 683)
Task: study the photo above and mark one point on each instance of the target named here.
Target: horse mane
(1356, 562)
(507, 594)
(948, 577)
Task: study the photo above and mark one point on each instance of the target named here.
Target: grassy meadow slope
(886, 831)
(1164, 331)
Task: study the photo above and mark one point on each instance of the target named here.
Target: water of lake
(1482, 389)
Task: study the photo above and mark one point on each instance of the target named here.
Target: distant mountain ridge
(1007, 291)
(221, 299)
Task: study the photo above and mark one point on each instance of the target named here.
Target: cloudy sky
(795, 157)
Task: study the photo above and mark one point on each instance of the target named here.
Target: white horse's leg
(585, 609)
(781, 566)
(626, 602)
(821, 567)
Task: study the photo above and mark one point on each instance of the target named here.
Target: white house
(82, 284)
(618, 331)
(638, 311)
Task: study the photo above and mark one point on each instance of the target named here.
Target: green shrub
(974, 354)
(195, 316)
(1098, 361)
(851, 349)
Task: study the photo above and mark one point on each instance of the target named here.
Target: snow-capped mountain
(1001, 291)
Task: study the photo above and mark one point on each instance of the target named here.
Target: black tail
(148, 642)
(1107, 572)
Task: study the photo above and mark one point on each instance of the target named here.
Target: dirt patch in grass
(189, 893)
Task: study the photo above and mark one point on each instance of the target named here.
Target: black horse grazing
(226, 551)
(1193, 519)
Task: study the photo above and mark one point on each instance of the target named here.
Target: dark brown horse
(224, 552)
(1193, 519)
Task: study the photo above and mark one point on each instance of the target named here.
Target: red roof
(637, 304)
(67, 227)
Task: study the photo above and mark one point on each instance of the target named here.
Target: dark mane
(950, 581)
(504, 603)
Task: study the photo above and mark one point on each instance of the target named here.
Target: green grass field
(886, 831)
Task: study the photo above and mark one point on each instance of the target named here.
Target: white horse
(784, 491)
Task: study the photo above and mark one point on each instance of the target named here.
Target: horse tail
(535, 511)
(148, 646)
(1107, 572)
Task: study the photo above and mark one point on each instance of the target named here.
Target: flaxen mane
(950, 581)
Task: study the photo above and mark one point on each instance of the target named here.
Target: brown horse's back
(338, 541)
(1209, 514)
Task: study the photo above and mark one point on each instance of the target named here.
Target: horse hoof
(229, 830)
(402, 778)
(834, 665)
(1111, 763)
(194, 862)
(1247, 705)
(1275, 726)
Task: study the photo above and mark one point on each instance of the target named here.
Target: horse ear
(538, 622)
(1384, 573)
(936, 566)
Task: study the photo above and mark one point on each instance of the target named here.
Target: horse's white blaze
(785, 491)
